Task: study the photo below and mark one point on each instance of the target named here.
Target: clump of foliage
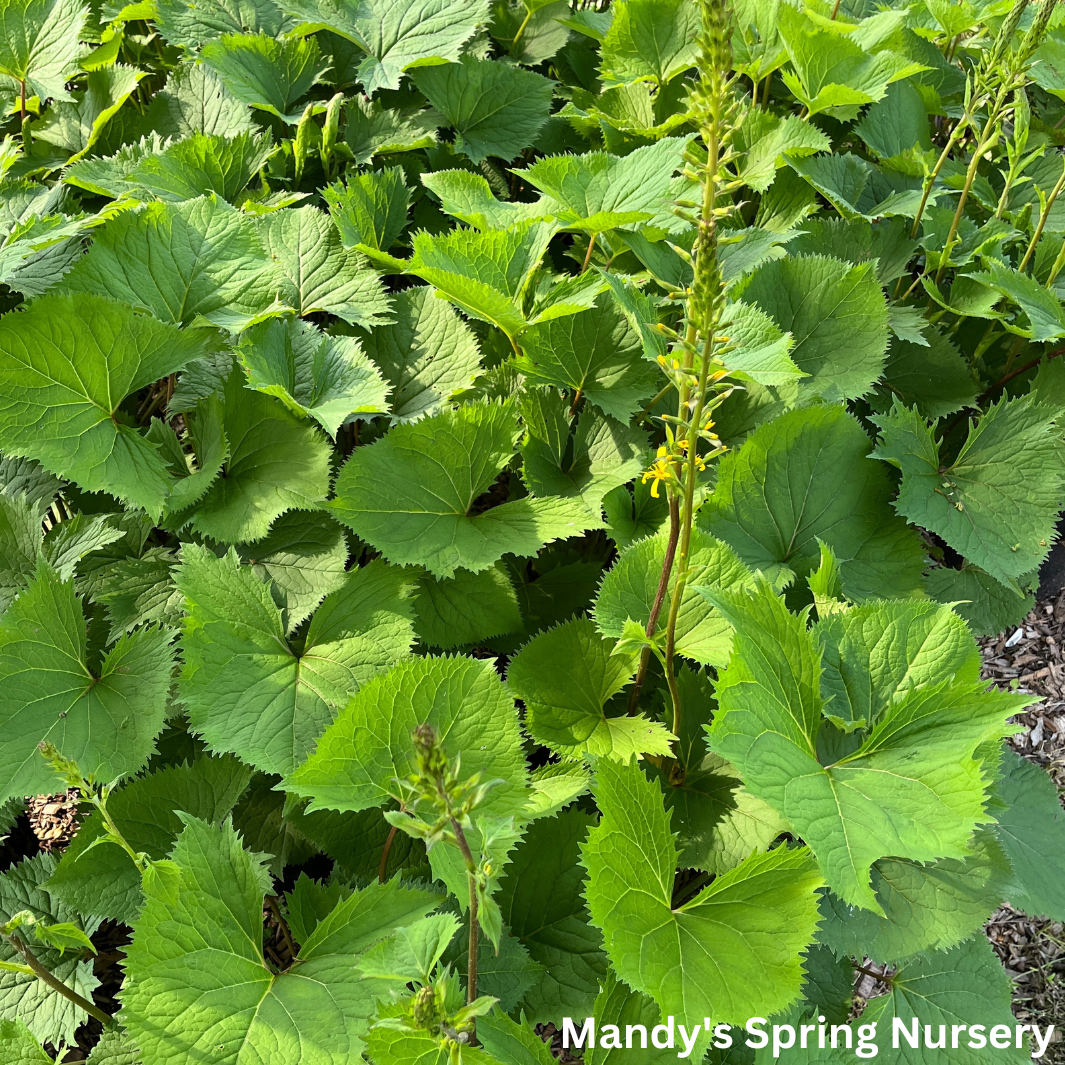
(496, 501)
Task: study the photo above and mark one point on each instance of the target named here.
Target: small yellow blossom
(660, 471)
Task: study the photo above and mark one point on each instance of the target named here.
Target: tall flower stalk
(696, 368)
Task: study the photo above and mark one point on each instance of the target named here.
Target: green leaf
(40, 43)
(485, 274)
(565, 677)
(66, 364)
(508, 1041)
(543, 903)
(803, 477)
(369, 745)
(76, 126)
(997, 502)
(266, 73)
(931, 377)
(629, 590)
(396, 40)
(317, 273)
(599, 191)
(597, 354)
(926, 907)
(201, 259)
(988, 605)
(373, 129)
(466, 609)
(772, 140)
(315, 375)
(495, 108)
(192, 25)
(1046, 318)
(650, 40)
(115, 1048)
(195, 101)
(468, 197)
(18, 1045)
(276, 463)
(210, 901)
(1032, 831)
(602, 453)
(201, 164)
(729, 953)
(247, 690)
(105, 719)
(49, 1016)
(369, 209)
(619, 1005)
(410, 494)
(427, 355)
(101, 880)
(860, 799)
(836, 315)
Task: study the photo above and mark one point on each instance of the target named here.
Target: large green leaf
(66, 364)
(837, 316)
(543, 904)
(911, 783)
(316, 375)
(369, 745)
(102, 880)
(197, 979)
(411, 494)
(565, 677)
(729, 953)
(40, 43)
(427, 355)
(192, 25)
(19, 1046)
(266, 73)
(396, 38)
(806, 477)
(650, 40)
(106, 717)
(495, 108)
(247, 689)
(597, 354)
(194, 101)
(201, 259)
(468, 608)
(997, 502)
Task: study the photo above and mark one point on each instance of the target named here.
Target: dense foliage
(496, 501)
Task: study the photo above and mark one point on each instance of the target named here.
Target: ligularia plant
(496, 506)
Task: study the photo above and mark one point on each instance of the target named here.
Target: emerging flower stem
(471, 882)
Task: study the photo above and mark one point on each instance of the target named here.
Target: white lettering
(689, 1042)
(753, 1027)
(569, 1032)
(1042, 1041)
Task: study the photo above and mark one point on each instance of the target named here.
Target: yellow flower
(660, 471)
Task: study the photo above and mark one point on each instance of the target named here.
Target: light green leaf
(357, 760)
(195, 101)
(1032, 832)
(912, 786)
(103, 881)
(650, 40)
(192, 25)
(618, 1004)
(1046, 318)
(997, 502)
(543, 904)
(758, 351)
(468, 197)
(926, 907)
(266, 73)
(837, 316)
(426, 356)
(629, 589)
(276, 463)
(486, 274)
(316, 375)
(24, 999)
(247, 689)
(374, 129)
(318, 274)
(729, 953)
(410, 494)
(495, 108)
(516, 1044)
(806, 476)
(468, 608)
(66, 364)
(598, 191)
(182, 261)
(396, 39)
(772, 141)
(40, 43)
(211, 903)
(18, 1045)
(371, 208)
(602, 453)
(597, 354)
(115, 1048)
(565, 676)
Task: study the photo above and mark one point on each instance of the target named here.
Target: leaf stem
(588, 253)
(1054, 193)
(57, 985)
(471, 882)
(384, 854)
